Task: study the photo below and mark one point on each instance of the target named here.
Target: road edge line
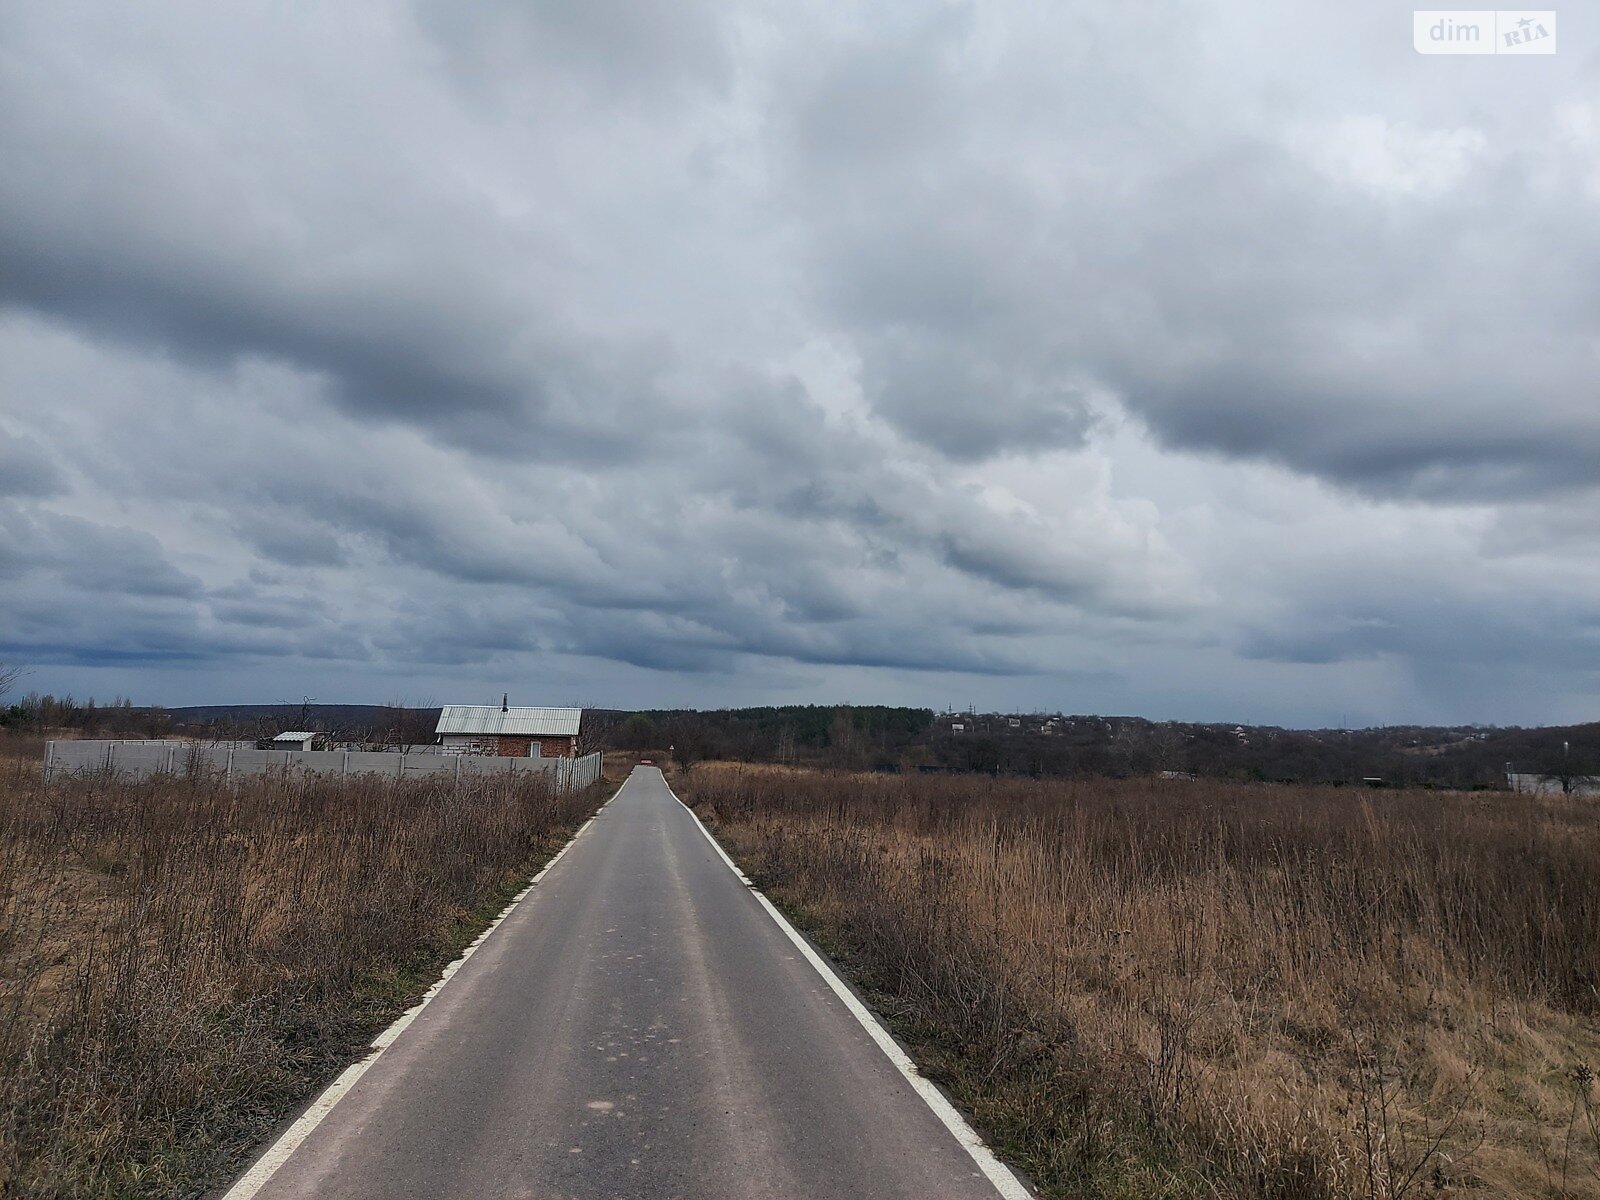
(1001, 1176)
(273, 1158)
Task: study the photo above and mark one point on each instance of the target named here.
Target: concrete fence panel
(414, 766)
(141, 760)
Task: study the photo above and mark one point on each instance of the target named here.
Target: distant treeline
(845, 735)
(1425, 756)
(914, 739)
(878, 738)
(357, 724)
(39, 713)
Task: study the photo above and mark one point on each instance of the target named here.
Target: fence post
(230, 766)
(111, 757)
(344, 767)
(172, 753)
(458, 770)
(49, 758)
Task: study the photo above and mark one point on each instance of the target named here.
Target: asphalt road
(638, 1026)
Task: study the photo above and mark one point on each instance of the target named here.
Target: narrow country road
(640, 1025)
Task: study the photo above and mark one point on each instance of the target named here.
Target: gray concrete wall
(1550, 785)
(140, 760)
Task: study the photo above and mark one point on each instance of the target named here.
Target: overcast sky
(1202, 360)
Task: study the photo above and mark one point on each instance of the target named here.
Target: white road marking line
(263, 1169)
(1005, 1183)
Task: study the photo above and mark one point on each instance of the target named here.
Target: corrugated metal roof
(295, 736)
(488, 719)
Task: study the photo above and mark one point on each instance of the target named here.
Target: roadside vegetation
(1148, 988)
(182, 963)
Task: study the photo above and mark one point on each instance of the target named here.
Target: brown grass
(182, 964)
(1200, 989)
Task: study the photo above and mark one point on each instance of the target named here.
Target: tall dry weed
(182, 962)
(1169, 988)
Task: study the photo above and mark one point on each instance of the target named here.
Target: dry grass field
(1163, 989)
(182, 964)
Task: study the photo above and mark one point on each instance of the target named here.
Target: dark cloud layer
(26, 469)
(1140, 359)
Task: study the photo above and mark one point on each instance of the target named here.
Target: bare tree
(404, 723)
(1572, 779)
(785, 751)
(685, 753)
(9, 675)
(1168, 748)
(688, 742)
(268, 725)
(594, 729)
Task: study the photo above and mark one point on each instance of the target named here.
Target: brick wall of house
(508, 745)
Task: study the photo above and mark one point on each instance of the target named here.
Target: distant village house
(509, 732)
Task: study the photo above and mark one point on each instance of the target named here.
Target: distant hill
(345, 718)
(205, 713)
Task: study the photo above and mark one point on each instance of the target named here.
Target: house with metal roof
(509, 732)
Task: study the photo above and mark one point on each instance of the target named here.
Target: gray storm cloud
(1136, 359)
